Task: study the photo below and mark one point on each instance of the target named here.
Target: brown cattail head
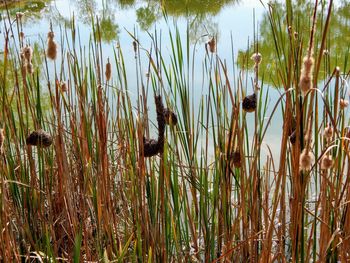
(305, 82)
(30, 68)
(63, 86)
(151, 147)
(108, 72)
(343, 103)
(326, 162)
(39, 138)
(249, 103)
(21, 35)
(27, 53)
(236, 159)
(306, 160)
(170, 117)
(328, 131)
(2, 139)
(51, 51)
(134, 44)
(256, 57)
(212, 45)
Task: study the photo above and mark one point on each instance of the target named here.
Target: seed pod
(2, 139)
(249, 103)
(151, 147)
(212, 45)
(170, 117)
(108, 72)
(39, 138)
(236, 159)
(51, 51)
(343, 103)
(64, 87)
(256, 57)
(21, 35)
(326, 162)
(27, 53)
(30, 68)
(305, 82)
(134, 44)
(328, 132)
(306, 160)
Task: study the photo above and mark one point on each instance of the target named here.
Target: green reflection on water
(337, 44)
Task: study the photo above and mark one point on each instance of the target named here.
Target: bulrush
(326, 162)
(305, 82)
(249, 103)
(212, 45)
(328, 131)
(343, 103)
(2, 139)
(152, 147)
(108, 72)
(27, 53)
(51, 51)
(170, 117)
(306, 160)
(39, 138)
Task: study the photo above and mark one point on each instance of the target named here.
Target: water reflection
(337, 43)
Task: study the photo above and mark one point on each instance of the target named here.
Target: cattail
(305, 83)
(51, 51)
(27, 53)
(2, 139)
(236, 159)
(63, 86)
(212, 45)
(30, 68)
(151, 147)
(21, 35)
(328, 132)
(249, 103)
(108, 72)
(19, 15)
(39, 138)
(343, 103)
(170, 117)
(326, 162)
(256, 57)
(134, 44)
(306, 160)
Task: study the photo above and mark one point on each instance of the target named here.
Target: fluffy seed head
(19, 15)
(306, 160)
(212, 45)
(27, 53)
(256, 57)
(328, 131)
(39, 138)
(343, 103)
(305, 82)
(326, 162)
(64, 87)
(249, 103)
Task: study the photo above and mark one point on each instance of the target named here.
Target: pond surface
(231, 21)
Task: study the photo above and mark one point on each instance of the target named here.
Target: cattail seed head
(328, 132)
(134, 44)
(305, 83)
(212, 45)
(27, 53)
(249, 103)
(51, 50)
(21, 35)
(108, 72)
(326, 162)
(30, 68)
(19, 15)
(63, 86)
(39, 138)
(306, 160)
(236, 159)
(170, 117)
(2, 139)
(343, 103)
(256, 57)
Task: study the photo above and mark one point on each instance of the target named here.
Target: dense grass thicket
(93, 170)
